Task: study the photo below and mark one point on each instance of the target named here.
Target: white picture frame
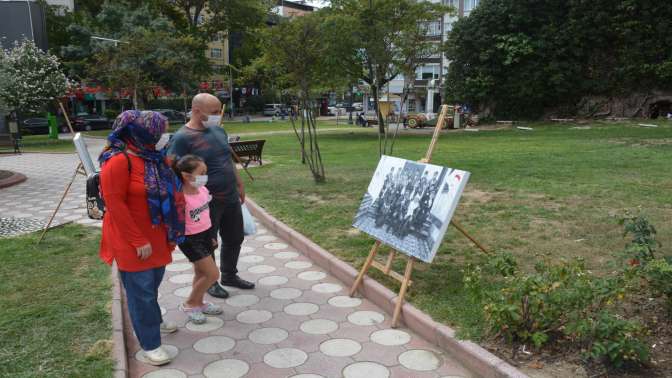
(409, 205)
(83, 153)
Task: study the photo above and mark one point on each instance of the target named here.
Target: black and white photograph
(409, 205)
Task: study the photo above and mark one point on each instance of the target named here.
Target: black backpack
(95, 206)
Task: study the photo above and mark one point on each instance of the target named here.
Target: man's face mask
(212, 121)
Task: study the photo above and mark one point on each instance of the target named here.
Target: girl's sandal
(195, 314)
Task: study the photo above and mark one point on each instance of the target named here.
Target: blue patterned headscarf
(139, 132)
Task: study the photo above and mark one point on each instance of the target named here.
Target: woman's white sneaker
(157, 357)
(168, 327)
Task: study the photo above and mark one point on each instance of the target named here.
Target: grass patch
(555, 191)
(42, 143)
(54, 307)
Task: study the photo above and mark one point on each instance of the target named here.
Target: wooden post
(67, 119)
(402, 291)
(390, 260)
(365, 268)
(67, 189)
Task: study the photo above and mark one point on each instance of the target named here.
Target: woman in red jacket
(144, 219)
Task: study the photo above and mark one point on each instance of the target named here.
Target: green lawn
(42, 143)
(555, 191)
(54, 306)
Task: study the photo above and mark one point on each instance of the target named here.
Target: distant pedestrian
(144, 220)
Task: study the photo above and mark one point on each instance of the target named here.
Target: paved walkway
(297, 322)
(27, 207)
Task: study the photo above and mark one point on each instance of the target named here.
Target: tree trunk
(135, 96)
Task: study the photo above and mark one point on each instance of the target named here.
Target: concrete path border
(14, 179)
(470, 354)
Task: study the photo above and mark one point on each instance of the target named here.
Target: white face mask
(163, 141)
(200, 180)
(212, 121)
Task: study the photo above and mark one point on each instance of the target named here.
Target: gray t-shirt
(211, 144)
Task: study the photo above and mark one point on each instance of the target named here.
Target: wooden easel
(78, 171)
(233, 153)
(386, 268)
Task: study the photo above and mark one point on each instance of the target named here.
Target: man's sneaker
(195, 314)
(217, 291)
(157, 357)
(238, 282)
(211, 309)
(168, 327)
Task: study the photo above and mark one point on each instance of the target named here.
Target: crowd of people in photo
(405, 201)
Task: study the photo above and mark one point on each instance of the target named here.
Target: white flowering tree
(29, 78)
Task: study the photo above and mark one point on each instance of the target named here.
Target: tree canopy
(522, 57)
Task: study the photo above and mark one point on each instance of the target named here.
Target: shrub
(643, 245)
(658, 274)
(611, 337)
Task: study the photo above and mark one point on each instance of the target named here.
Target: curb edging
(472, 355)
(118, 339)
(15, 179)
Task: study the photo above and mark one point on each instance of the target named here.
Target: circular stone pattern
(226, 369)
(273, 280)
(285, 358)
(166, 373)
(312, 275)
(261, 269)
(319, 326)
(298, 265)
(214, 345)
(365, 370)
(366, 318)
(390, 337)
(170, 349)
(286, 293)
(251, 259)
(420, 360)
(268, 336)
(266, 238)
(307, 376)
(211, 324)
(178, 267)
(340, 347)
(183, 292)
(326, 288)
(246, 249)
(275, 246)
(182, 278)
(301, 309)
(344, 301)
(242, 300)
(254, 316)
(286, 255)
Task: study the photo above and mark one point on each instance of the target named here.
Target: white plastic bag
(249, 228)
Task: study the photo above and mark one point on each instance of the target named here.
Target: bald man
(202, 136)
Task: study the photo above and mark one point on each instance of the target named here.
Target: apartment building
(428, 83)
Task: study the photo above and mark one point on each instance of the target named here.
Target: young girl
(199, 244)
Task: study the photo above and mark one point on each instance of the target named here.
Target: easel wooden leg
(365, 268)
(53, 215)
(466, 234)
(402, 292)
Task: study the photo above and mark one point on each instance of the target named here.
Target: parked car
(34, 126)
(88, 122)
(358, 106)
(276, 110)
(172, 115)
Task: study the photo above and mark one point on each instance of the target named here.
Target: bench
(7, 140)
(250, 149)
